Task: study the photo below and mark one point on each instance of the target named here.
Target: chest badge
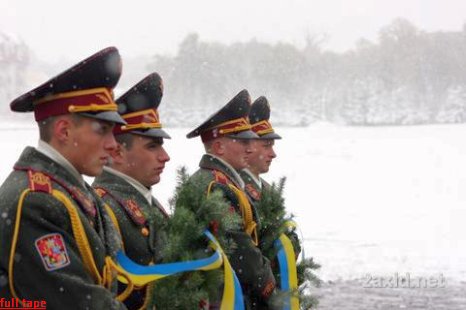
(253, 192)
(52, 250)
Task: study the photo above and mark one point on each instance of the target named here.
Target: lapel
(33, 160)
(97, 231)
(211, 162)
(251, 187)
(129, 198)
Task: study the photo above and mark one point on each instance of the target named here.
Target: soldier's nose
(110, 144)
(164, 157)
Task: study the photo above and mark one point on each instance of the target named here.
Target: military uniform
(254, 188)
(140, 224)
(251, 267)
(139, 216)
(253, 185)
(259, 116)
(56, 239)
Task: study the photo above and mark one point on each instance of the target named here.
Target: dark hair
(46, 126)
(126, 140)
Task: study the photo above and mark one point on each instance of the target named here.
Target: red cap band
(144, 119)
(261, 128)
(89, 100)
(223, 129)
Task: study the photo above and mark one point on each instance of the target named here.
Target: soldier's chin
(242, 166)
(155, 180)
(94, 171)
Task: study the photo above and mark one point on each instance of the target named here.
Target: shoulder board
(42, 182)
(134, 211)
(100, 191)
(131, 208)
(39, 182)
(220, 177)
(252, 191)
(86, 203)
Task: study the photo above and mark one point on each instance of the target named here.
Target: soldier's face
(261, 156)
(236, 152)
(145, 160)
(91, 142)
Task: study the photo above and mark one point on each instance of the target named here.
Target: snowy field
(369, 200)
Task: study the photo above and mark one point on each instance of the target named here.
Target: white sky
(58, 29)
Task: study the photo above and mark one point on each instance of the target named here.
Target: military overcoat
(55, 238)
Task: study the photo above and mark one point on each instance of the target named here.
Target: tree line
(408, 76)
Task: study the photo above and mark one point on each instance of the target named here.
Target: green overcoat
(40, 256)
(140, 225)
(251, 267)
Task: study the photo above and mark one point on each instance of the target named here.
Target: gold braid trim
(78, 232)
(109, 270)
(250, 226)
(13, 244)
(110, 266)
(80, 236)
(115, 223)
(147, 297)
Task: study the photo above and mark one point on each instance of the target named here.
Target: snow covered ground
(369, 200)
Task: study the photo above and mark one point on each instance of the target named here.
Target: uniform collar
(255, 179)
(231, 172)
(145, 192)
(49, 151)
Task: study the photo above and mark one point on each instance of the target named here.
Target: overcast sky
(59, 29)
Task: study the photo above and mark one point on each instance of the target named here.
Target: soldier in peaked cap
(262, 149)
(259, 162)
(226, 136)
(125, 185)
(56, 239)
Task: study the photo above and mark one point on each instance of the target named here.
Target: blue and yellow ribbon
(288, 274)
(140, 275)
(232, 298)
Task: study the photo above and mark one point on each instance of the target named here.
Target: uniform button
(145, 231)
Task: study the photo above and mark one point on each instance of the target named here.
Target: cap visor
(109, 116)
(270, 136)
(153, 132)
(246, 135)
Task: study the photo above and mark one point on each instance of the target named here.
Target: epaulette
(220, 177)
(100, 192)
(39, 182)
(84, 200)
(269, 287)
(253, 192)
(42, 182)
(129, 206)
(134, 211)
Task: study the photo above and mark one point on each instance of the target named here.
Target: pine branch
(273, 218)
(192, 213)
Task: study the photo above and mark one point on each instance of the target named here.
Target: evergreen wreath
(272, 219)
(192, 213)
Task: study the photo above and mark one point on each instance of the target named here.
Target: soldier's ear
(62, 129)
(218, 147)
